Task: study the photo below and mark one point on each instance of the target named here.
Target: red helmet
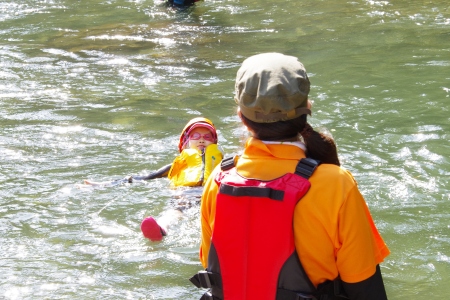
(195, 123)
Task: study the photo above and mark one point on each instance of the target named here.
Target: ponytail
(320, 146)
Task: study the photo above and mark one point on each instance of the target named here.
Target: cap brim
(201, 125)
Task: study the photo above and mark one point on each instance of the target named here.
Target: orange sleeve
(362, 247)
(207, 214)
(334, 231)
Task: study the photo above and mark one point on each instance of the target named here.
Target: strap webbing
(206, 279)
(306, 167)
(227, 163)
(242, 191)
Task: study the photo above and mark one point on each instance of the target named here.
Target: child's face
(200, 138)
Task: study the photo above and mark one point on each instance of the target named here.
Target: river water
(101, 89)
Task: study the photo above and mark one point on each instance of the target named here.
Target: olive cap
(272, 87)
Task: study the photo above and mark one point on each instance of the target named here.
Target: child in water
(199, 155)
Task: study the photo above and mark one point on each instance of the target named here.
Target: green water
(101, 89)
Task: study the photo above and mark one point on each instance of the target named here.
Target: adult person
(276, 223)
(182, 3)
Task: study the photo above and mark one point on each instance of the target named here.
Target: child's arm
(161, 172)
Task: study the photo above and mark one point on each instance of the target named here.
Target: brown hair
(319, 146)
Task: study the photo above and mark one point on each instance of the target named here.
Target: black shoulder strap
(306, 167)
(228, 163)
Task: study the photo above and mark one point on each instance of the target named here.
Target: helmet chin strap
(185, 143)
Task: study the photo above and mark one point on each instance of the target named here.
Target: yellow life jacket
(192, 168)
